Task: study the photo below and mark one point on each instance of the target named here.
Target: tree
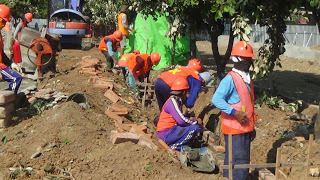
(39, 8)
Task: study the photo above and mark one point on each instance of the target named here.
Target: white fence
(300, 35)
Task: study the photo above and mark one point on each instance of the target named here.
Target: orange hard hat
(136, 51)
(242, 49)
(180, 84)
(117, 35)
(28, 17)
(5, 13)
(155, 58)
(195, 64)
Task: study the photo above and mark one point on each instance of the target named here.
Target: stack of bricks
(6, 108)
(91, 66)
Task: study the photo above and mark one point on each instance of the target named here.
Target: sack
(197, 159)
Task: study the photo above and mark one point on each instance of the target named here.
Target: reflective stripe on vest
(124, 58)
(169, 76)
(131, 63)
(103, 45)
(123, 30)
(229, 123)
(166, 121)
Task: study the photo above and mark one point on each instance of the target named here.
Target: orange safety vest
(123, 30)
(229, 123)
(124, 58)
(166, 121)
(103, 45)
(131, 63)
(169, 76)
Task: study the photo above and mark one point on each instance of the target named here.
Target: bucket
(79, 98)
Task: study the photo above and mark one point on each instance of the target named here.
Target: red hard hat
(180, 84)
(136, 51)
(155, 58)
(5, 13)
(117, 35)
(195, 64)
(242, 49)
(28, 16)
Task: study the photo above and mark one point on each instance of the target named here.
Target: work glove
(16, 67)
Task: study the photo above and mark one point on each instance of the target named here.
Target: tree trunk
(316, 17)
(193, 47)
(173, 52)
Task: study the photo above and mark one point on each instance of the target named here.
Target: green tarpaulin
(151, 37)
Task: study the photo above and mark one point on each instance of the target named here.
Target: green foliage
(67, 141)
(103, 12)
(39, 8)
(315, 3)
(276, 102)
(4, 138)
(241, 28)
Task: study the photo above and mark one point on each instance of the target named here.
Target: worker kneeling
(192, 76)
(173, 127)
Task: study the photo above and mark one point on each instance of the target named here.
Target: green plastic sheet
(150, 36)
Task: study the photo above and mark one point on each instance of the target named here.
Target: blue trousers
(179, 136)
(240, 155)
(162, 91)
(12, 77)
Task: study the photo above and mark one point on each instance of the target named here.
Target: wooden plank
(309, 154)
(278, 163)
(266, 165)
(230, 155)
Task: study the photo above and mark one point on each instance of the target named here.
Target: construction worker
(195, 80)
(108, 46)
(123, 26)
(173, 127)
(122, 63)
(8, 74)
(23, 23)
(235, 99)
(139, 68)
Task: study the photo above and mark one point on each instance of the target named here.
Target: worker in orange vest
(174, 128)
(190, 73)
(8, 74)
(23, 23)
(108, 46)
(139, 68)
(123, 27)
(122, 63)
(235, 99)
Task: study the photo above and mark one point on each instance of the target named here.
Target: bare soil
(77, 140)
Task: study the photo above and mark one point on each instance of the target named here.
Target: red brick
(118, 107)
(85, 64)
(219, 149)
(122, 126)
(138, 127)
(164, 146)
(131, 99)
(117, 137)
(92, 79)
(85, 57)
(148, 144)
(5, 122)
(112, 96)
(113, 116)
(105, 84)
(89, 69)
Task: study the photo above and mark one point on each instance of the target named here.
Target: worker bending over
(108, 46)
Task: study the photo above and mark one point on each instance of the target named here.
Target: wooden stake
(230, 155)
(278, 163)
(309, 154)
(144, 94)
